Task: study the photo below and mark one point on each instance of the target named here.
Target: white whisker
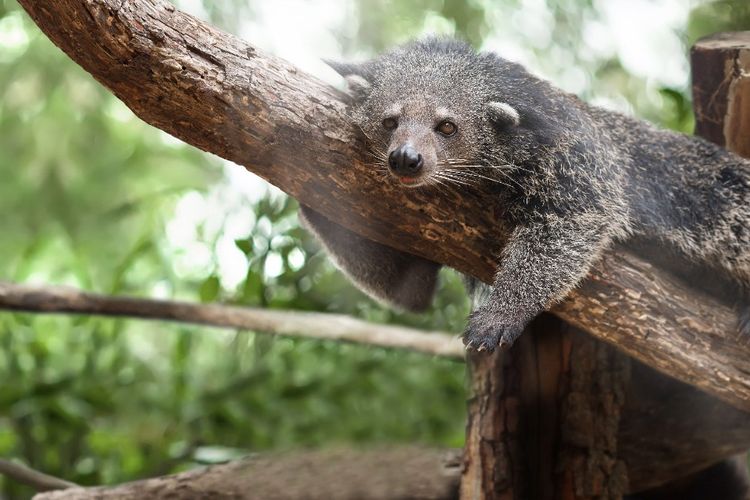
(497, 170)
(454, 179)
(475, 177)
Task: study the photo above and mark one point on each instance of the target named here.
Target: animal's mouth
(410, 181)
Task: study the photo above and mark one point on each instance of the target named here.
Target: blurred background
(93, 198)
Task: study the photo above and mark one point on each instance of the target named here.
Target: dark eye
(447, 128)
(390, 123)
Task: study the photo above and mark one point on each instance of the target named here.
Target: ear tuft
(344, 69)
(357, 86)
(355, 75)
(503, 114)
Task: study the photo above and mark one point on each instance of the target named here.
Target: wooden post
(544, 418)
(721, 90)
(559, 416)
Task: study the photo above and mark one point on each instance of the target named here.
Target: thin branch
(39, 481)
(57, 299)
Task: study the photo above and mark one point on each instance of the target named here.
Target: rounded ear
(503, 114)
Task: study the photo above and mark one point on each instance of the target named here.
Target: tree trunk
(222, 95)
(544, 418)
(721, 90)
(551, 420)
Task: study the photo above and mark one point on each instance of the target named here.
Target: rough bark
(721, 90)
(544, 419)
(406, 473)
(323, 326)
(726, 480)
(543, 422)
(669, 430)
(224, 96)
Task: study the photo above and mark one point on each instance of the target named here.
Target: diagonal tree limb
(39, 481)
(220, 94)
(324, 326)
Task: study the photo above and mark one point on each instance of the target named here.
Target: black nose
(405, 161)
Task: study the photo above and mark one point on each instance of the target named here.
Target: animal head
(430, 109)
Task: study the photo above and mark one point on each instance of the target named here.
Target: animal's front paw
(486, 332)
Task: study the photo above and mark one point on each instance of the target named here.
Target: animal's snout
(405, 161)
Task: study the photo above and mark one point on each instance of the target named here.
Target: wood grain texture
(669, 430)
(544, 418)
(222, 95)
(721, 89)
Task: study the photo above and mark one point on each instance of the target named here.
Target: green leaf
(245, 245)
(210, 288)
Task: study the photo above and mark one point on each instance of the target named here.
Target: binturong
(571, 178)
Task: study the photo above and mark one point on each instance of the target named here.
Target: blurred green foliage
(718, 15)
(90, 196)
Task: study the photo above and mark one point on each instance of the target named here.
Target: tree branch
(39, 481)
(220, 94)
(55, 299)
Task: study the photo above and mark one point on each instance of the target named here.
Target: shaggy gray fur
(572, 179)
